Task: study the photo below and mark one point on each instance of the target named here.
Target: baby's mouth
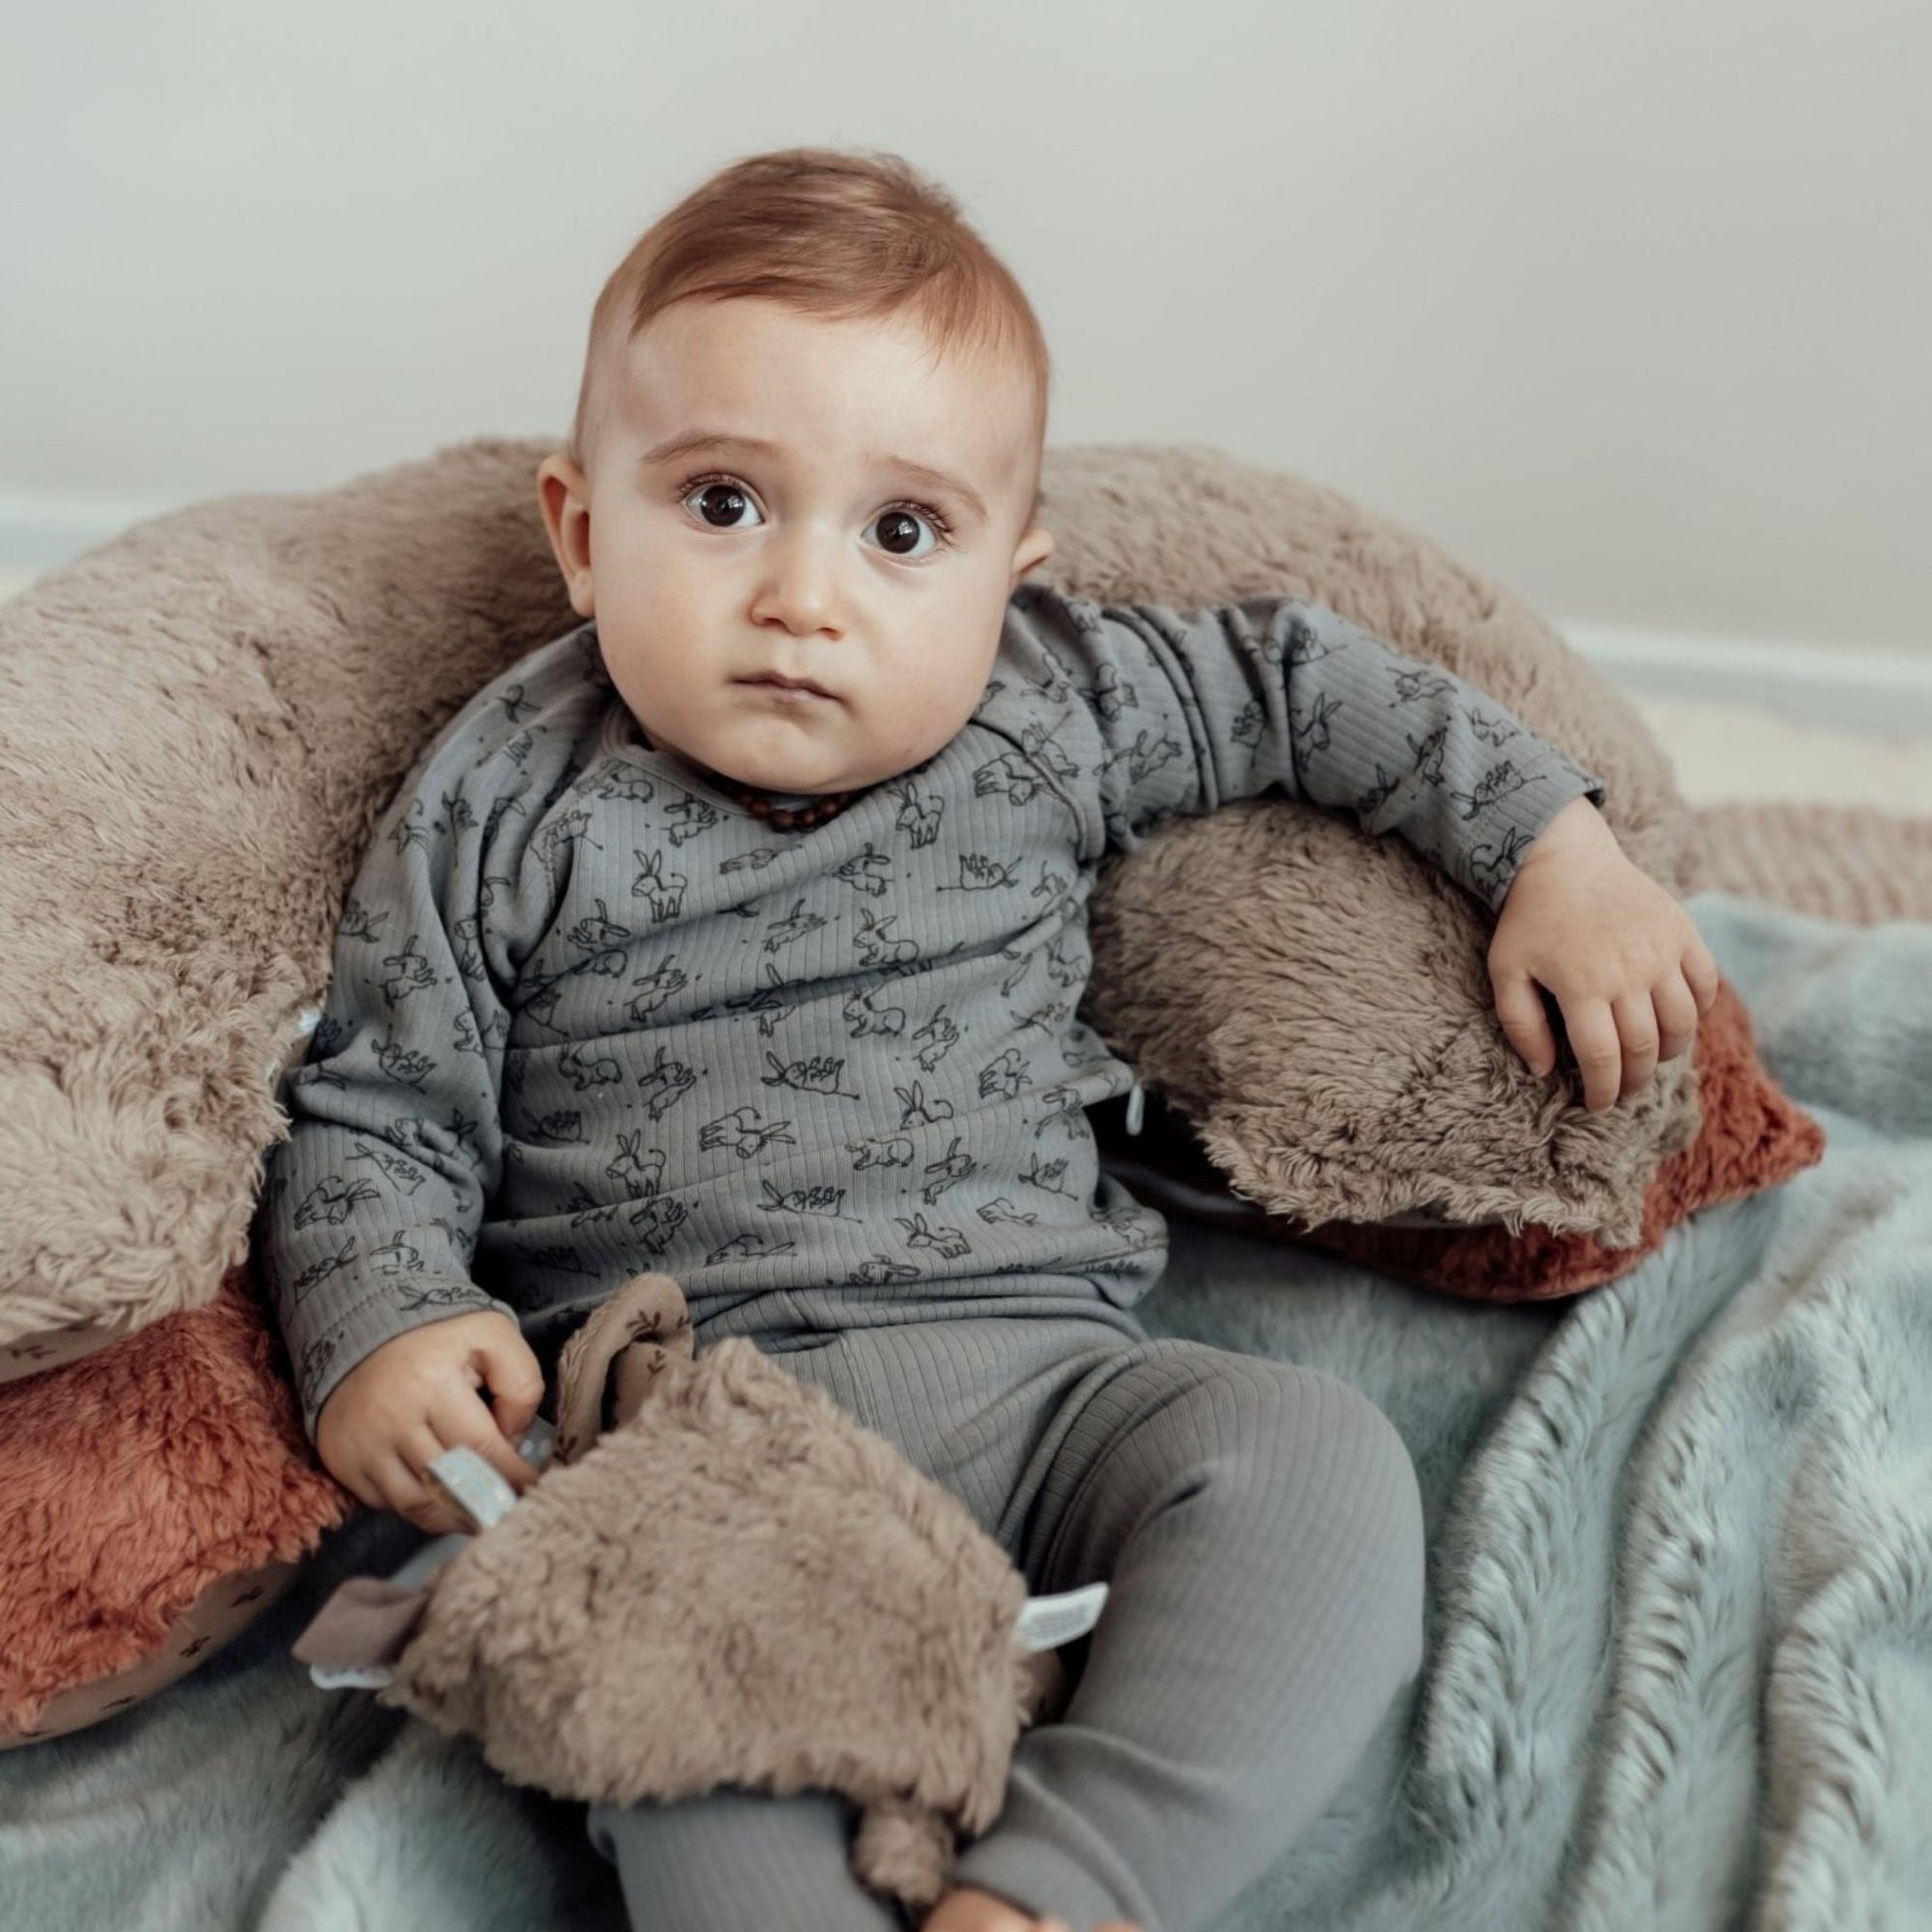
(800, 693)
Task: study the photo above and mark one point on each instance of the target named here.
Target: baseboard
(1866, 690)
(38, 532)
(1855, 689)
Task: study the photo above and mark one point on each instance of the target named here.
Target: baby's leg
(1260, 1529)
(737, 1861)
(964, 1401)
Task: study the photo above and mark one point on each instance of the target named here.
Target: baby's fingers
(1599, 1050)
(402, 1476)
(360, 1483)
(462, 1419)
(1636, 1027)
(509, 1368)
(1677, 1013)
(1700, 972)
(1519, 1012)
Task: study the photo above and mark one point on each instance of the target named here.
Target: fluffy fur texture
(68, 1655)
(735, 1583)
(1680, 1621)
(154, 1499)
(202, 719)
(200, 723)
(1754, 1136)
(1323, 1012)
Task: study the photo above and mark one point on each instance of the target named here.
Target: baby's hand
(399, 1408)
(1624, 960)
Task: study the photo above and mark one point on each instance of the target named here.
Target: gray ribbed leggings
(1261, 1527)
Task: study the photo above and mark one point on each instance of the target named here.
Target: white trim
(1862, 688)
(40, 531)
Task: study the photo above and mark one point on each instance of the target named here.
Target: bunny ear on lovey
(605, 1369)
(729, 1581)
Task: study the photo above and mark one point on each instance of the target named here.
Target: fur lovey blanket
(1680, 1663)
(731, 1583)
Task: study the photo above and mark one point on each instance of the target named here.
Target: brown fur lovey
(722, 1579)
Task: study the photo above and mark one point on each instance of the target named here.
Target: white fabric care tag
(475, 1488)
(1047, 1623)
(469, 1484)
(480, 1494)
(371, 1677)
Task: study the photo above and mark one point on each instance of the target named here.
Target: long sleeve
(371, 1208)
(1158, 714)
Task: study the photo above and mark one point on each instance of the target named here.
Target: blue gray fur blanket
(1679, 1660)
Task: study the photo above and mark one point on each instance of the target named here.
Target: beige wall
(1625, 302)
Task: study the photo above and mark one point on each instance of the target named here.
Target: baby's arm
(373, 1205)
(1181, 714)
(1173, 713)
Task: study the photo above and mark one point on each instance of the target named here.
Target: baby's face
(817, 558)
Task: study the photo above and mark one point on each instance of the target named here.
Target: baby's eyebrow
(691, 442)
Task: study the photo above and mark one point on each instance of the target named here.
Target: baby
(739, 932)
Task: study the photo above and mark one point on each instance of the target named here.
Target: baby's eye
(720, 502)
(726, 499)
(902, 522)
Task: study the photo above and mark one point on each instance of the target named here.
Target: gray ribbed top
(587, 1015)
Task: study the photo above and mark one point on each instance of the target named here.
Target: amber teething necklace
(786, 818)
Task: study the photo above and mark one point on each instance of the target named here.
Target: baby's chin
(802, 770)
(792, 786)
(790, 777)
(802, 776)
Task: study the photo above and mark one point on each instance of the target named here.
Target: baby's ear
(564, 497)
(1034, 548)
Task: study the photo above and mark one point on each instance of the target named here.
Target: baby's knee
(1375, 1465)
(1311, 1411)
(1343, 1476)
(1375, 1446)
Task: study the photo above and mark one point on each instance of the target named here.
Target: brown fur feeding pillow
(201, 721)
(1323, 1013)
(1754, 1137)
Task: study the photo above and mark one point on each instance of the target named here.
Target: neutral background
(1625, 303)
